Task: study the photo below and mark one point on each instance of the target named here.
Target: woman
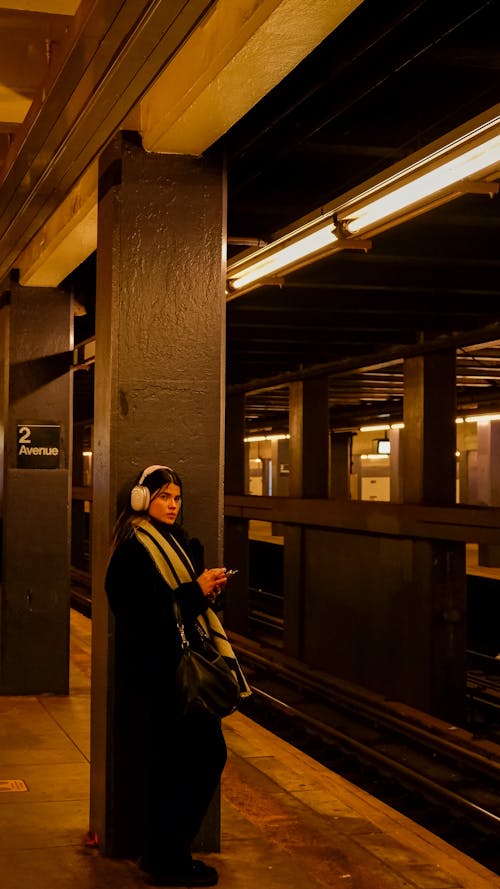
(169, 764)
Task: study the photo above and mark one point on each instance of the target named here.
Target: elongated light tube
(426, 186)
(430, 178)
(482, 418)
(270, 261)
(276, 437)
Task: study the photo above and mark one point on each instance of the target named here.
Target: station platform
(286, 820)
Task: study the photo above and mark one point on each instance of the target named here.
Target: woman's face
(165, 505)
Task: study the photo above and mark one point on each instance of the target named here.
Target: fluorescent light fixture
(276, 437)
(482, 418)
(381, 428)
(446, 169)
(374, 456)
(423, 186)
(280, 254)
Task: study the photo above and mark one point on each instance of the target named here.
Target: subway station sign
(38, 447)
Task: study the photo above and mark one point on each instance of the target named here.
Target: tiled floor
(286, 821)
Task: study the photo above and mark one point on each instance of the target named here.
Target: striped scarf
(175, 567)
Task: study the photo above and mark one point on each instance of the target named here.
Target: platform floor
(287, 822)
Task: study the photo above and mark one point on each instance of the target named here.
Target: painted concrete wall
(388, 614)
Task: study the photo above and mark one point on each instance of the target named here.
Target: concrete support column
(309, 440)
(341, 460)
(234, 464)
(395, 465)
(309, 477)
(160, 356)
(488, 480)
(294, 588)
(36, 340)
(281, 467)
(428, 462)
(429, 441)
(236, 530)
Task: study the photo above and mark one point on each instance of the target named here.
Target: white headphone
(140, 495)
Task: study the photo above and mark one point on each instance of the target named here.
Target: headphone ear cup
(139, 498)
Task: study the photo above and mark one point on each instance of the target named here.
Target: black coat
(147, 639)
(165, 769)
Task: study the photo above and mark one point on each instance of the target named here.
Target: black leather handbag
(204, 679)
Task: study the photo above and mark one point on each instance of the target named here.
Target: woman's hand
(212, 582)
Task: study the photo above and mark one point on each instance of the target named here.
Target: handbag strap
(216, 640)
(180, 625)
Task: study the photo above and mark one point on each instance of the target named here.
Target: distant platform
(473, 566)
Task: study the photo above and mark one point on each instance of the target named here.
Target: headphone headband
(140, 495)
(149, 471)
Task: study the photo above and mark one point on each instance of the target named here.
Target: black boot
(190, 873)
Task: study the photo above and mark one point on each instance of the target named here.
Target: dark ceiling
(391, 79)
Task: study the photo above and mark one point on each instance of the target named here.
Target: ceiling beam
(66, 240)
(114, 51)
(229, 64)
(63, 7)
(204, 89)
(374, 361)
(28, 39)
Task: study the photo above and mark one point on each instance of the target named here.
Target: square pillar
(159, 384)
(309, 438)
(395, 470)
(236, 551)
(428, 445)
(341, 464)
(36, 341)
(428, 442)
(488, 480)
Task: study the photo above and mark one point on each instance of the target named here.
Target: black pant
(183, 768)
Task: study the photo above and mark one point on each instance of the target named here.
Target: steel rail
(357, 704)
(457, 802)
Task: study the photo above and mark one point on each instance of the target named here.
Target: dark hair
(159, 477)
(154, 481)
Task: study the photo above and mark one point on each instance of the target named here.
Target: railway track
(440, 775)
